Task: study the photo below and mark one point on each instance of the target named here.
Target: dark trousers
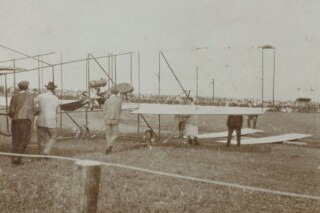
(21, 135)
(230, 131)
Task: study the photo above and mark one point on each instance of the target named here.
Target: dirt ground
(45, 185)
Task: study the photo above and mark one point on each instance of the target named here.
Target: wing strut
(102, 69)
(185, 91)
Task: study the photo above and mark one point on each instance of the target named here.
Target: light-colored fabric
(48, 105)
(192, 131)
(46, 138)
(112, 132)
(111, 111)
(112, 108)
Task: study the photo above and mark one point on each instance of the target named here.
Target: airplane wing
(244, 131)
(171, 109)
(270, 139)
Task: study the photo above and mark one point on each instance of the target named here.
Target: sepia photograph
(159, 106)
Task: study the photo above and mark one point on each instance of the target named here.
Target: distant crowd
(281, 106)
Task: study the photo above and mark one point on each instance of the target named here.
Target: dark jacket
(235, 121)
(22, 106)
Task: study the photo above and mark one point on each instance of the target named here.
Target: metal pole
(14, 76)
(39, 74)
(131, 68)
(6, 89)
(53, 74)
(109, 70)
(88, 87)
(138, 92)
(213, 89)
(61, 94)
(61, 76)
(262, 78)
(159, 90)
(274, 72)
(115, 70)
(111, 66)
(139, 74)
(197, 82)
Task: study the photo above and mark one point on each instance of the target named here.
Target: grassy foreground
(45, 185)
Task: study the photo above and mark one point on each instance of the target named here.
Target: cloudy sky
(220, 37)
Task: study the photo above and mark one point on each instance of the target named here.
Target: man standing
(111, 111)
(182, 121)
(192, 125)
(234, 122)
(48, 105)
(21, 110)
(253, 118)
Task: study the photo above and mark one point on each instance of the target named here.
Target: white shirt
(48, 104)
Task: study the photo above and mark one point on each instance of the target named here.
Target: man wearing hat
(21, 110)
(48, 105)
(111, 111)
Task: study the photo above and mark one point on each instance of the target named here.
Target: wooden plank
(271, 139)
(85, 187)
(245, 131)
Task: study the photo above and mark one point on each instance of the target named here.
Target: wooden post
(85, 187)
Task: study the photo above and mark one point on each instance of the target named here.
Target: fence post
(85, 187)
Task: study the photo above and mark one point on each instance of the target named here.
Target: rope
(234, 185)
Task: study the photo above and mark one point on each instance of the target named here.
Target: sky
(219, 38)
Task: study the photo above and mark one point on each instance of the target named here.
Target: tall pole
(109, 70)
(159, 89)
(115, 69)
(159, 81)
(53, 74)
(262, 77)
(14, 76)
(139, 73)
(131, 68)
(39, 79)
(197, 83)
(138, 91)
(6, 89)
(213, 89)
(61, 94)
(88, 86)
(61, 76)
(274, 74)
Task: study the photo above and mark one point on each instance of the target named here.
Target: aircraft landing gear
(82, 132)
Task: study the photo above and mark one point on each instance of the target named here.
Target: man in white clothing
(48, 105)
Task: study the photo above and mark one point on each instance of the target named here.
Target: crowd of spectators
(281, 106)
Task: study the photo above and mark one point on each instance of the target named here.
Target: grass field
(45, 185)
